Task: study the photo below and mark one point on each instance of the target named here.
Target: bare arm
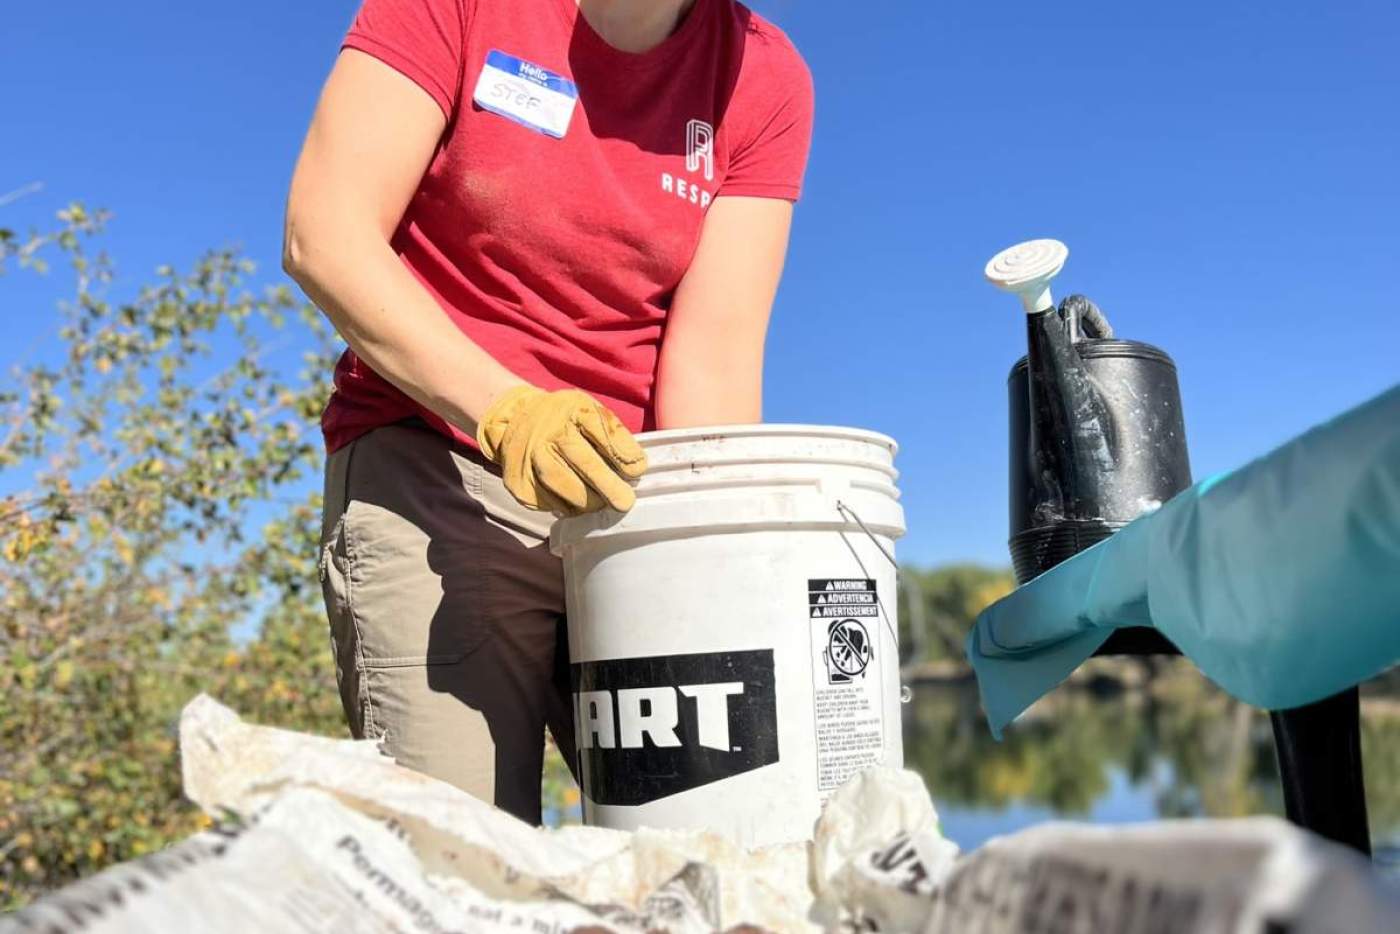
(711, 370)
(370, 141)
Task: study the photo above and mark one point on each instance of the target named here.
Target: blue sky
(1225, 174)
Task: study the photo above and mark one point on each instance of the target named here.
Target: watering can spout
(1071, 431)
(1072, 441)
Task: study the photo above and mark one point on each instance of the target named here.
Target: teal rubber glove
(1280, 580)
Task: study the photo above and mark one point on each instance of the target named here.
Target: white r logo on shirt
(700, 148)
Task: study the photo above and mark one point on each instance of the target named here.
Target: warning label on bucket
(848, 709)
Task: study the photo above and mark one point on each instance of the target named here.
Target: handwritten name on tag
(522, 91)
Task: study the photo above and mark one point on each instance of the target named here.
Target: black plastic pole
(1319, 760)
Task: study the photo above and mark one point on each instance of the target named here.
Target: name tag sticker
(526, 93)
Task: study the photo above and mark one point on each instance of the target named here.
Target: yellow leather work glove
(562, 451)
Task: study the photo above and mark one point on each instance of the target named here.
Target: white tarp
(322, 835)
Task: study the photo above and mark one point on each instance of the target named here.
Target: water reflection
(1169, 745)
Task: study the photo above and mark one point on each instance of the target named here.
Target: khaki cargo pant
(446, 614)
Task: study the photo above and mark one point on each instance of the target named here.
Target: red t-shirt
(560, 256)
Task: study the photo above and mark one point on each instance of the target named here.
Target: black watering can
(1097, 434)
(1098, 439)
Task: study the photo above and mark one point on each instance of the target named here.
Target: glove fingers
(600, 477)
(550, 503)
(605, 431)
(560, 478)
(520, 483)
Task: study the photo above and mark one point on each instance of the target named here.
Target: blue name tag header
(531, 72)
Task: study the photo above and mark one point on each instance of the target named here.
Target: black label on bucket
(847, 687)
(652, 727)
(839, 599)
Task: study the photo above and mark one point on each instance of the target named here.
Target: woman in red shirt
(540, 225)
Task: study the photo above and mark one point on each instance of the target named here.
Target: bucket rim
(766, 429)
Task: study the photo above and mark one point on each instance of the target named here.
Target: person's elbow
(322, 242)
(314, 233)
(299, 238)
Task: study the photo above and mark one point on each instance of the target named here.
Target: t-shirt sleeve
(769, 156)
(421, 39)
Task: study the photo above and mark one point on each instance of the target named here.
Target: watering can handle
(1084, 319)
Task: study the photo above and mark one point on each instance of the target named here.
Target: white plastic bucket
(733, 637)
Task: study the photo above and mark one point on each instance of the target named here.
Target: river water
(1174, 748)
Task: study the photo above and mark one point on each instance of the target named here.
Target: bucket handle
(847, 511)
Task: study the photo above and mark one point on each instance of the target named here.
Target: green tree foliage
(937, 607)
(159, 528)
(134, 461)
